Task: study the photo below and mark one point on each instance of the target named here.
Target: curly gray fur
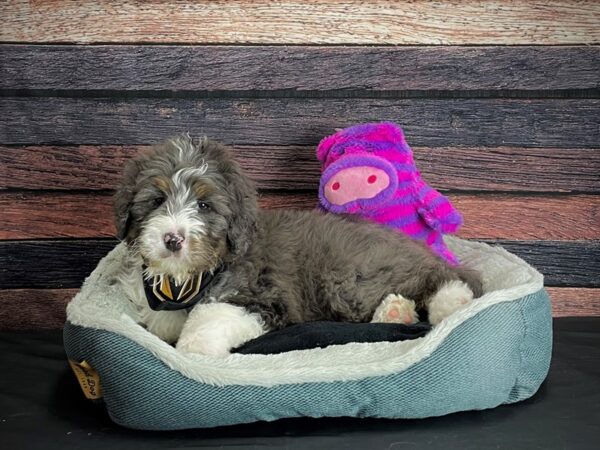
(289, 266)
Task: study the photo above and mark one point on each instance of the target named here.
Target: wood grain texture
(28, 216)
(100, 168)
(492, 216)
(50, 264)
(564, 264)
(296, 167)
(529, 218)
(575, 302)
(499, 127)
(28, 309)
(431, 123)
(31, 309)
(297, 69)
(297, 22)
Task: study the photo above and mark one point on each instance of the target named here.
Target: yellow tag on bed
(88, 378)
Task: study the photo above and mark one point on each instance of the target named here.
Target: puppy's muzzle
(173, 241)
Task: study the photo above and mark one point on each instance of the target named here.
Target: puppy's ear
(242, 224)
(123, 199)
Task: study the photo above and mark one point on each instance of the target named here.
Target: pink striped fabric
(415, 208)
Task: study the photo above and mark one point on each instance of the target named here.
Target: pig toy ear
(325, 146)
(391, 131)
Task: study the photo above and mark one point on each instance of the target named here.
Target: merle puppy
(186, 208)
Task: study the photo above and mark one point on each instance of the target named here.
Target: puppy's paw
(204, 344)
(214, 329)
(396, 309)
(451, 297)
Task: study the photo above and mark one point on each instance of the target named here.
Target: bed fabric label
(88, 378)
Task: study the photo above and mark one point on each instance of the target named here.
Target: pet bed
(495, 351)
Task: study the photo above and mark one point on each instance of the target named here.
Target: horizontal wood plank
(431, 123)
(27, 216)
(575, 302)
(510, 169)
(564, 264)
(573, 217)
(529, 217)
(34, 309)
(100, 168)
(296, 167)
(297, 69)
(65, 263)
(296, 22)
(30, 309)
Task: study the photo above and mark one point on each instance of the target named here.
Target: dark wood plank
(572, 217)
(65, 263)
(296, 167)
(267, 68)
(430, 123)
(401, 22)
(575, 301)
(49, 264)
(32, 309)
(564, 264)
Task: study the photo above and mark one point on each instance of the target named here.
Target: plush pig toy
(369, 170)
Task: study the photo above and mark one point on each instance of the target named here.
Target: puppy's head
(185, 207)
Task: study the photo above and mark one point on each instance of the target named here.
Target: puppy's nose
(173, 241)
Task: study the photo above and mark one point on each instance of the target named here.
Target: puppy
(186, 208)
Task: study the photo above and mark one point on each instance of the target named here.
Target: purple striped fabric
(414, 208)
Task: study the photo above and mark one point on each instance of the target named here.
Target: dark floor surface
(41, 407)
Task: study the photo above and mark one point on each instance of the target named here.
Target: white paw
(216, 328)
(205, 344)
(451, 297)
(396, 309)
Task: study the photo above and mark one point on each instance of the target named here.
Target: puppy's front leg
(215, 328)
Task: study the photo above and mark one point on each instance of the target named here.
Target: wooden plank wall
(500, 100)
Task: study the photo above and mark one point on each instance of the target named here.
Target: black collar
(164, 295)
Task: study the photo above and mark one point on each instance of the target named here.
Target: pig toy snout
(356, 182)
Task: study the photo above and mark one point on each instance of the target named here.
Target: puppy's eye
(158, 201)
(203, 206)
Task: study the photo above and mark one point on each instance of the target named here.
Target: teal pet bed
(495, 351)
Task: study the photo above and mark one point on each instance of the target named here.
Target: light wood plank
(499, 22)
(574, 301)
(573, 217)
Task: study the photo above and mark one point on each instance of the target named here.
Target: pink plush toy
(369, 170)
